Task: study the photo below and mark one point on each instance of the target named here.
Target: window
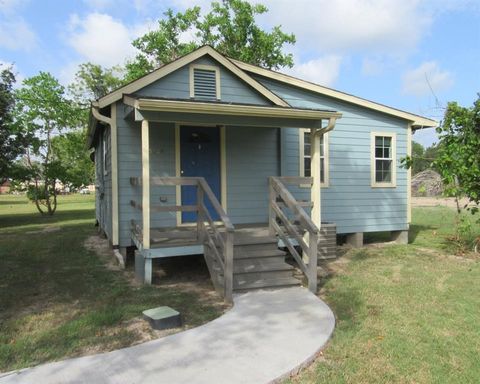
(305, 156)
(383, 165)
(204, 82)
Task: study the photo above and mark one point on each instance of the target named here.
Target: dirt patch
(437, 201)
(101, 247)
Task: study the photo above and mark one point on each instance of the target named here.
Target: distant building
(5, 187)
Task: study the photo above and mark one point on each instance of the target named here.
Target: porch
(241, 256)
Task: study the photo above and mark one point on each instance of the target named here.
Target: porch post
(146, 199)
(315, 173)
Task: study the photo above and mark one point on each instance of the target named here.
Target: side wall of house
(350, 201)
(103, 177)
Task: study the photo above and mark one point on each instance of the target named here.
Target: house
(5, 187)
(212, 155)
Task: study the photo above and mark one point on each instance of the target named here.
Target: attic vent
(205, 84)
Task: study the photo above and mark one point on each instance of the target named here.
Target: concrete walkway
(266, 336)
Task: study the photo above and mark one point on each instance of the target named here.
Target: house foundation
(399, 237)
(355, 239)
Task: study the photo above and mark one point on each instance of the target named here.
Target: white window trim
(374, 183)
(301, 141)
(208, 68)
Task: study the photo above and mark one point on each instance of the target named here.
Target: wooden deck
(184, 236)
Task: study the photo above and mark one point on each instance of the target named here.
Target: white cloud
(11, 6)
(101, 39)
(366, 26)
(323, 71)
(16, 34)
(426, 78)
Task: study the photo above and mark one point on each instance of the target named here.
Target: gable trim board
(418, 122)
(180, 62)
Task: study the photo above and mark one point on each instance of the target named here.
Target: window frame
(326, 174)
(207, 68)
(373, 164)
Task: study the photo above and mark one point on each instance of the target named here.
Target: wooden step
(253, 277)
(239, 254)
(254, 266)
(245, 285)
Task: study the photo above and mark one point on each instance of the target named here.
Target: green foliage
(77, 169)
(459, 154)
(421, 158)
(229, 27)
(93, 81)
(12, 142)
(43, 111)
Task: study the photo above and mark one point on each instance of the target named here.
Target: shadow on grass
(13, 202)
(60, 216)
(416, 229)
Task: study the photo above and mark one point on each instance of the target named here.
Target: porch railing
(209, 231)
(282, 205)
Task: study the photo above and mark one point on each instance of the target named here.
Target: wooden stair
(257, 264)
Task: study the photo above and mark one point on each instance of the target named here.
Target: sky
(415, 55)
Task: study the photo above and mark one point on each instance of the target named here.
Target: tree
(459, 152)
(77, 169)
(43, 111)
(93, 81)
(229, 27)
(418, 158)
(12, 142)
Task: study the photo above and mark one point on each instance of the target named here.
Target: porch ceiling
(155, 109)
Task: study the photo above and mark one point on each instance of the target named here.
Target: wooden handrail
(221, 244)
(280, 197)
(291, 202)
(216, 205)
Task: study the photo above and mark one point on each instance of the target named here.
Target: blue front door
(199, 156)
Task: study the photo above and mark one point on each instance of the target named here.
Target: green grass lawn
(57, 298)
(405, 314)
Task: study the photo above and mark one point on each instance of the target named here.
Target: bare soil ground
(435, 201)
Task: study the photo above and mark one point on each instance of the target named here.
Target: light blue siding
(252, 156)
(103, 180)
(254, 153)
(162, 163)
(176, 85)
(350, 201)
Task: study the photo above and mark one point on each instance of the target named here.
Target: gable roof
(417, 121)
(180, 62)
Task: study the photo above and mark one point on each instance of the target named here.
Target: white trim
(409, 175)
(417, 121)
(223, 166)
(114, 166)
(207, 68)
(393, 182)
(315, 191)
(203, 108)
(179, 63)
(146, 184)
(326, 155)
